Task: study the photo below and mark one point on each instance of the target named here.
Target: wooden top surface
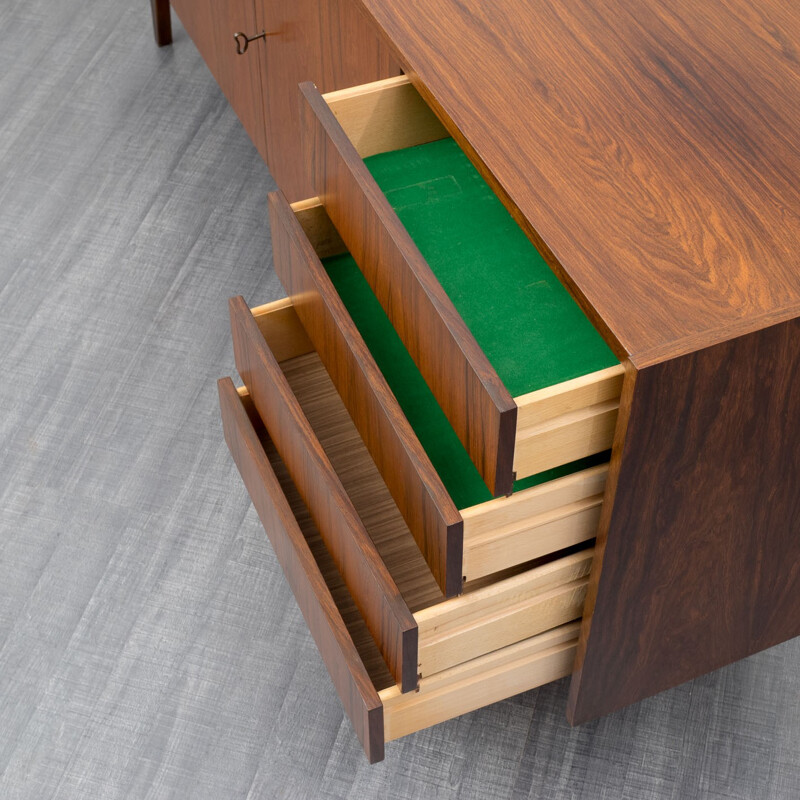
(654, 151)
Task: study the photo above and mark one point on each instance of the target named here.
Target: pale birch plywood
(566, 438)
(563, 527)
(503, 612)
(280, 326)
(483, 680)
(554, 401)
(385, 115)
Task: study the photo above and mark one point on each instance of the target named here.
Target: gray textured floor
(149, 646)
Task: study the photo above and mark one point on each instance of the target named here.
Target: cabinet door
(211, 25)
(329, 42)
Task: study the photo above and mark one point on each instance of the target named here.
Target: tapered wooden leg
(162, 24)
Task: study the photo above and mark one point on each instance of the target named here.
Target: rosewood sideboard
(531, 407)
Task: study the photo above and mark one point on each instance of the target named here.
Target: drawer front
(415, 486)
(354, 553)
(478, 405)
(348, 673)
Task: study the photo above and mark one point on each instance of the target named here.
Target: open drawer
(463, 533)
(526, 381)
(496, 640)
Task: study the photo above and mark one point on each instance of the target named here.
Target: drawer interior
(455, 686)
(534, 334)
(532, 331)
(489, 532)
(564, 379)
(457, 471)
(495, 610)
(550, 510)
(351, 461)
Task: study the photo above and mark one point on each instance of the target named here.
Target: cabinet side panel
(698, 559)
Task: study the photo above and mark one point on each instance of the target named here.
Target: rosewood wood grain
(330, 42)
(162, 22)
(350, 678)
(211, 25)
(476, 402)
(650, 149)
(698, 553)
(372, 587)
(414, 484)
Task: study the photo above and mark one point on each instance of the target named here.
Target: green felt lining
(439, 440)
(531, 330)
